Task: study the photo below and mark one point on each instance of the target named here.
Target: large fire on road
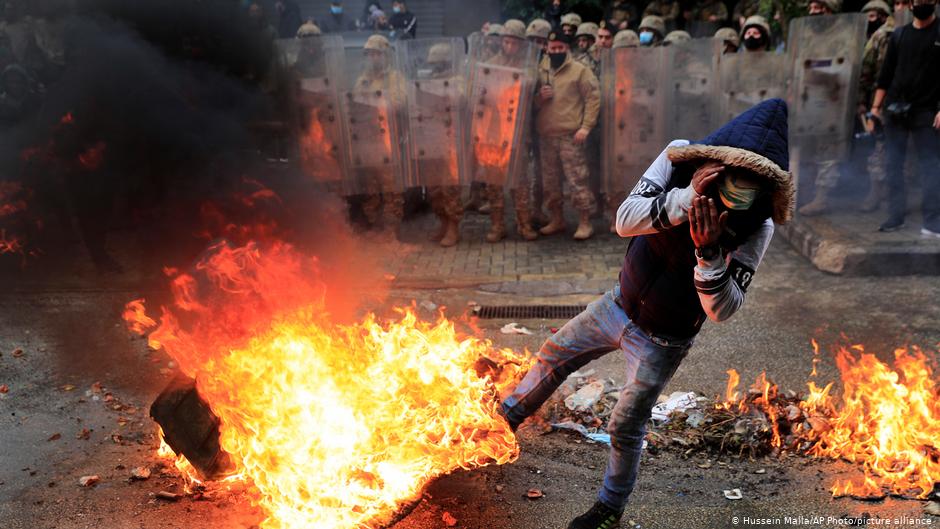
(335, 425)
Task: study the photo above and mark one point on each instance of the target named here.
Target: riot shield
(825, 59)
(315, 63)
(435, 87)
(500, 90)
(373, 102)
(746, 79)
(634, 115)
(692, 83)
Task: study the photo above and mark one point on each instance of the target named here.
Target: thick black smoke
(155, 124)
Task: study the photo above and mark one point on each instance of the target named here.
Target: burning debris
(887, 420)
(335, 425)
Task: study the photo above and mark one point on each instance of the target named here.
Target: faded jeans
(651, 362)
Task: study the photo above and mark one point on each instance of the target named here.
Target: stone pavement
(551, 265)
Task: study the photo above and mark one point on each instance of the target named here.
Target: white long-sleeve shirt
(721, 282)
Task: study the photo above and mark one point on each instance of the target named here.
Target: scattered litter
(706, 464)
(4, 388)
(581, 429)
(54, 437)
(677, 401)
(97, 387)
(760, 471)
(140, 473)
(89, 481)
(499, 488)
(585, 397)
(534, 494)
(68, 387)
(733, 494)
(448, 519)
(168, 496)
(514, 328)
(553, 330)
(84, 435)
(17, 352)
(695, 418)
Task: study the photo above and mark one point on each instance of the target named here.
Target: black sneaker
(891, 224)
(599, 516)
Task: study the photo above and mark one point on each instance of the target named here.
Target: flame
(335, 425)
(889, 421)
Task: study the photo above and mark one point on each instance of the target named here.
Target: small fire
(336, 426)
(887, 419)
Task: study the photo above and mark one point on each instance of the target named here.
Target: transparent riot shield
(634, 116)
(825, 62)
(500, 90)
(745, 79)
(691, 106)
(373, 102)
(435, 87)
(315, 64)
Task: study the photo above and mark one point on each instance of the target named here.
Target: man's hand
(876, 112)
(547, 92)
(936, 121)
(581, 136)
(705, 224)
(705, 175)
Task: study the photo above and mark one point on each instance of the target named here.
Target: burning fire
(335, 425)
(888, 420)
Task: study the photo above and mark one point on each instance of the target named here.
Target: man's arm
(591, 93)
(722, 282)
(650, 208)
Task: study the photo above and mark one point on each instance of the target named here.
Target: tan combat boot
(441, 231)
(524, 225)
(820, 203)
(557, 223)
(585, 229)
(497, 226)
(451, 233)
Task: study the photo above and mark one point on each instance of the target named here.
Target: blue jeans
(651, 362)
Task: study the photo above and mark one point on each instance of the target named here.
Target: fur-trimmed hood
(756, 140)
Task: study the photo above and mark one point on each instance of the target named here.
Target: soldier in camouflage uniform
(729, 39)
(379, 203)
(568, 103)
(881, 26)
(827, 171)
(511, 54)
(445, 200)
(652, 30)
(710, 11)
(676, 37)
(569, 23)
(585, 51)
(626, 38)
(667, 10)
(537, 33)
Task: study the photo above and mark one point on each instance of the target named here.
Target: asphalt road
(75, 338)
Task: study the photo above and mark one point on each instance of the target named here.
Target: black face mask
(873, 26)
(754, 43)
(557, 59)
(923, 11)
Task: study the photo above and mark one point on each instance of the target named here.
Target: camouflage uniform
(873, 57)
(668, 10)
(557, 121)
(379, 203)
(710, 8)
(494, 194)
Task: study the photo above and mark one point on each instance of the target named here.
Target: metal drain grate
(524, 312)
